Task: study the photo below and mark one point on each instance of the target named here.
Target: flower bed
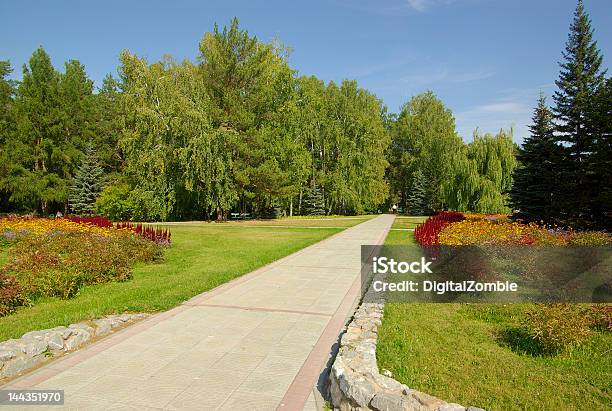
(428, 232)
(11, 228)
(57, 257)
(452, 228)
(550, 329)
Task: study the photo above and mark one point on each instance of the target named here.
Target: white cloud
(418, 5)
(512, 108)
(395, 7)
(422, 5)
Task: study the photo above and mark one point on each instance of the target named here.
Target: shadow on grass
(519, 341)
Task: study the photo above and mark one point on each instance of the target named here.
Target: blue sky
(486, 59)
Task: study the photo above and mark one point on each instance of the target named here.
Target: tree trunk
(300, 202)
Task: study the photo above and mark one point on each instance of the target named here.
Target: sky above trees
(486, 59)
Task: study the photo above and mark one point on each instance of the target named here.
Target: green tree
(482, 174)
(314, 203)
(108, 125)
(87, 184)
(251, 89)
(34, 179)
(7, 129)
(114, 202)
(601, 159)
(579, 80)
(179, 166)
(424, 137)
(535, 191)
(417, 197)
(52, 119)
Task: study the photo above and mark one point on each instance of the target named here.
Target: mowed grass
(407, 222)
(458, 352)
(202, 256)
(301, 221)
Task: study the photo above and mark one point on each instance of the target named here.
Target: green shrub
(114, 202)
(600, 316)
(558, 327)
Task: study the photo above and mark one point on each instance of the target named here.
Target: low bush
(114, 202)
(59, 265)
(600, 317)
(56, 257)
(11, 294)
(559, 328)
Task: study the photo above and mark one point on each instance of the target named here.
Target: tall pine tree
(314, 201)
(416, 200)
(87, 184)
(579, 80)
(600, 165)
(535, 187)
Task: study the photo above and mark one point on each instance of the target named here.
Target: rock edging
(33, 348)
(355, 382)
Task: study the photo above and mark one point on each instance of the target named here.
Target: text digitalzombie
(442, 287)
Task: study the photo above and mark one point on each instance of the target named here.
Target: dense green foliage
(239, 131)
(236, 131)
(573, 156)
(459, 176)
(425, 139)
(536, 181)
(482, 174)
(47, 121)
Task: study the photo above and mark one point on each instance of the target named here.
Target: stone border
(354, 380)
(37, 347)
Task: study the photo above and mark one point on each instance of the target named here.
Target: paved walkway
(256, 343)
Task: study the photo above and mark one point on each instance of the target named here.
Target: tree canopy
(239, 130)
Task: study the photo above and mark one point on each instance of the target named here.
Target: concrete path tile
(256, 343)
(246, 401)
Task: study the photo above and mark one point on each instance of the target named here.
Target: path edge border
(355, 382)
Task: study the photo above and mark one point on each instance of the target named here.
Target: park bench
(240, 216)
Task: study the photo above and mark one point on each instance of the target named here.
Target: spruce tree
(314, 202)
(601, 162)
(417, 196)
(579, 80)
(535, 186)
(87, 184)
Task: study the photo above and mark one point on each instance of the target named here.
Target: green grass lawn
(407, 222)
(302, 221)
(458, 352)
(202, 256)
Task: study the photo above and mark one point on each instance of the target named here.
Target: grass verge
(404, 222)
(470, 354)
(202, 257)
